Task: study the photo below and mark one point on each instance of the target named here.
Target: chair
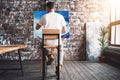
(50, 34)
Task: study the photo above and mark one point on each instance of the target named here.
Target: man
(52, 20)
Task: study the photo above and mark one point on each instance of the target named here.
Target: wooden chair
(50, 34)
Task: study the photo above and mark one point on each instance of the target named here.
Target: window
(115, 22)
(115, 32)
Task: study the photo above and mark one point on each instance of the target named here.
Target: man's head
(50, 6)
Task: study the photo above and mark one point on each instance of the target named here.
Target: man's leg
(50, 57)
(61, 58)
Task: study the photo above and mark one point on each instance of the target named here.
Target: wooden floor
(73, 70)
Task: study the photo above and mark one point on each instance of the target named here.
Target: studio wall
(16, 22)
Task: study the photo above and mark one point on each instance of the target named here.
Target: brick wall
(16, 21)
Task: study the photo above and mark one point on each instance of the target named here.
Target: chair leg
(44, 66)
(58, 73)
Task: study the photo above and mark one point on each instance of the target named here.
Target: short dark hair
(50, 5)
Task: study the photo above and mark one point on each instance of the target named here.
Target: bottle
(4, 42)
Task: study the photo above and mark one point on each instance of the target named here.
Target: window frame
(115, 23)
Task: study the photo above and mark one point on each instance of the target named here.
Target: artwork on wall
(39, 14)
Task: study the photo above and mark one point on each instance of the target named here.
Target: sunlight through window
(115, 19)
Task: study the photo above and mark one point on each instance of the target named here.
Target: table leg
(20, 61)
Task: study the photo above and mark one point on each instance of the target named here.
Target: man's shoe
(50, 61)
(61, 68)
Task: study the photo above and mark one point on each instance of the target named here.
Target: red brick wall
(16, 19)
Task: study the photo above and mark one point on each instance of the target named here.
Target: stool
(50, 34)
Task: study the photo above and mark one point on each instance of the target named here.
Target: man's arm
(38, 26)
(40, 23)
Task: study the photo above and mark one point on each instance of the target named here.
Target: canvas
(39, 14)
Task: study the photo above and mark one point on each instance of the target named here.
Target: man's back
(52, 20)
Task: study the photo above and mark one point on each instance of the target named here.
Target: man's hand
(38, 26)
(63, 29)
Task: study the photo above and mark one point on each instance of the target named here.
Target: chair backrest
(50, 33)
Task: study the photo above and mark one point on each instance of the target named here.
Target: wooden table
(10, 48)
